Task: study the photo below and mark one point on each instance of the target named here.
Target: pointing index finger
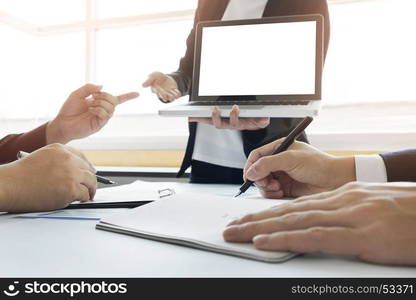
(126, 97)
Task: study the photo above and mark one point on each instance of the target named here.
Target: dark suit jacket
(214, 10)
(28, 142)
(400, 165)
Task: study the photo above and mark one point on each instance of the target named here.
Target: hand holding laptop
(166, 88)
(233, 122)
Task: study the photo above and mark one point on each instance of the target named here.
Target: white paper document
(194, 220)
(136, 191)
(150, 191)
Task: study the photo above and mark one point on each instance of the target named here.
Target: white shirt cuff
(370, 168)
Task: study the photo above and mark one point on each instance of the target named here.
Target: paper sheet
(145, 190)
(136, 191)
(196, 220)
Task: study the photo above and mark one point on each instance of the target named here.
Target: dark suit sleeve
(400, 165)
(28, 142)
(183, 76)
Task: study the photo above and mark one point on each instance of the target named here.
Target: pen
(293, 135)
(100, 179)
(104, 180)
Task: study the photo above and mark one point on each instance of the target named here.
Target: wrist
(343, 170)
(3, 192)
(54, 133)
(6, 188)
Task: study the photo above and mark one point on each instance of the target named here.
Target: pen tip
(239, 193)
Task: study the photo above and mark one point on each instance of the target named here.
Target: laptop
(270, 67)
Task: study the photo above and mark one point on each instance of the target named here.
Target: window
(51, 47)
(370, 68)
(126, 56)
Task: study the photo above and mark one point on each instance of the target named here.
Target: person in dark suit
(218, 147)
(54, 175)
(363, 206)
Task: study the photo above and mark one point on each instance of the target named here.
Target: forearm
(54, 133)
(5, 186)
(28, 142)
(343, 170)
(3, 196)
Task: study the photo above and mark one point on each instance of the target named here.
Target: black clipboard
(121, 204)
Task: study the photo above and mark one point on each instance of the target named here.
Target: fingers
(234, 121)
(216, 118)
(84, 162)
(164, 86)
(331, 240)
(107, 106)
(106, 97)
(201, 120)
(152, 78)
(100, 113)
(294, 221)
(260, 152)
(268, 149)
(348, 192)
(270, 187)
(177, 93)
(288, 208)
(173, 94)
(87, 90)
(319, 196)
(126, 97)
(89, 180)
(268, 183)
(104, 104)
(265, 165)
(345, 200)
(85, 186)
(272, 194)
(262, 122)
(83, 194)
(165, 95)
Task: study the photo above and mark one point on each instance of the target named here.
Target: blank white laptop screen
(258, 59)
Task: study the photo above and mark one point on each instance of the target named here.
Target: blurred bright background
(49, 48)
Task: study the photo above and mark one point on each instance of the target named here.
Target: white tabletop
(74, 248)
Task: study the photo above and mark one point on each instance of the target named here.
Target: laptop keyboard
(255, 102)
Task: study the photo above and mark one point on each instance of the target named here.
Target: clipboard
(163, 193)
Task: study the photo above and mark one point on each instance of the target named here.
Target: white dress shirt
(224, 147)
(370, 168)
